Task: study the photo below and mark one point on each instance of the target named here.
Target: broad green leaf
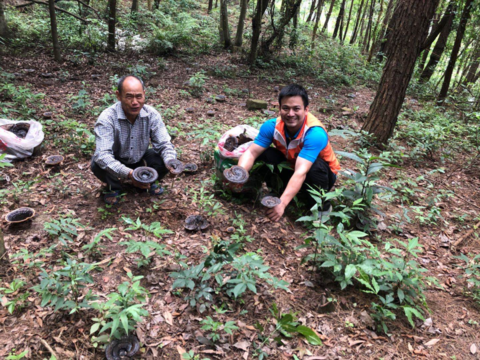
(309, 334)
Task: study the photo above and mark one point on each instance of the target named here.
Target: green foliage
(472, 274)
(215, 327)
(123, 310)
(234, 275)
(154, 228)
(18, 102)
(80, 102)
(240, 234)
(72, 135)
(196, 84)
(10, 296)
(4, 164)
(146, 248)
(63, 288)
(206, 201)
(14, 356)
(95, 247)
(65, 229)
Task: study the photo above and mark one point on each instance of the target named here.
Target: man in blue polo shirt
(300, 139)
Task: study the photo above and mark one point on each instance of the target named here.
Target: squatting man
(300, 139)
(123, 133)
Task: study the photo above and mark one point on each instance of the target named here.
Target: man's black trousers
(152, 159)
(319, 176)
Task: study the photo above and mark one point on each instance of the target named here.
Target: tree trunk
(149, 5)
(241, 22)
(134, 8)
(210, 6)
(440, 44)
(339, 20)
(348, 22)
(224, 24)
(357, 22)
(456, 47)
(382, 41)
(2, 245)
(375, 35)
(474, 65)
(325, 26)
(112, 18)
(156, 4)
(4, 33)
(291, 8)
(312, 10)
(317, 20)
(409, 27)
(256, 29)
(53, 25)
(368, 32)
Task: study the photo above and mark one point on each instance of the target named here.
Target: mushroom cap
(177, 167)
(54, 160)
(195, 223)
(231, 143)
(126, 346)
(270, 201)
(236, 174)
(145, 175)
(20, 215)
(190, 167)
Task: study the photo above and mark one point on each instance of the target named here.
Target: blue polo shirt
(316, 139)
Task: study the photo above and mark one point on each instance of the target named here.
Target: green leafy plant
(471, 267)
(154, 228)
(240, 234)
(65, 229)
(215, 328)
(146, 248)
(10, 296)
(196, 83)
(123, 310)
(95, 247)
(63, 288)
(14, 356)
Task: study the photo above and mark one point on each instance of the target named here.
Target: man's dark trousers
(152, 159)
(319, 176)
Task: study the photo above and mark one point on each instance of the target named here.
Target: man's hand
(174, 166)
(136, 183)
(276, 213)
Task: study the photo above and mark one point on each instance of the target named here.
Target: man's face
(293, 113)
(132, 97)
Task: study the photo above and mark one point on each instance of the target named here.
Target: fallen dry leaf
(242, 345)
(168, 317)
(473, 349)
(432, 342)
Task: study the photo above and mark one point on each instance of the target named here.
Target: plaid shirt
(118, 142)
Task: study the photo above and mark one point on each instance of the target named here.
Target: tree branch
(56, 8)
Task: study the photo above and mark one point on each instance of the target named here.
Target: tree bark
(325, 26)
(440, 44)
(156, 4)
(112, 18)
(134, 8)
(348, 22)
(53, 25)
(241, 22)
(339, 19)
(382, 41)
(317, 20)
(375, 35)
(210, 6)
(409, 27)
(4, 33)
(256, 29)
(474, 65)
(312, 10)
(227, 42)
(368, 32)
(456, 47)
(2, 245)
(357, 22)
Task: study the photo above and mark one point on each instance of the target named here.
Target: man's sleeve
(265, 137)
(160, 138)
(104, 138)
(316, 140)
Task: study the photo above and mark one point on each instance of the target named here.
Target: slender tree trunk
(474, 65)
(112, 18)
(440, 44)
(134, 8)
(317, 20)
(149, 5)
(409, 27)
(241, 22)
(224, 24)
(456, 47)
(2, 245)
(348, 22)
(210, 6)
(375, 35)
(53, 25)
(339, 20)
(312, 10)
(216, 4)
(156, 4)
(368, 32)
(325, 26)
(382, 41)
(256, 29)
(357, 22)
(4, 33)
(361, 37)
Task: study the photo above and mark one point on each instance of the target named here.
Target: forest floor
(172, 326)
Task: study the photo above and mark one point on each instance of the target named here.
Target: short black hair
(293, 90)
(122, 79)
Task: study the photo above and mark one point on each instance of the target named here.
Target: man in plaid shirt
(123, 133)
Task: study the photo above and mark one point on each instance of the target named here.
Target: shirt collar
(121, 113)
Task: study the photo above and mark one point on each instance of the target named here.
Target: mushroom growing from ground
(20, 215)
(127, 346)
(195, 223)
(54, 160)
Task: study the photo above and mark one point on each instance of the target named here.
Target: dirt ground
(172, 324)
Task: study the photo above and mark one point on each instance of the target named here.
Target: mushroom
(20, 215)
(120, 348)
(270, 201)
(145, 175)
(195, 223)
(54, 160)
